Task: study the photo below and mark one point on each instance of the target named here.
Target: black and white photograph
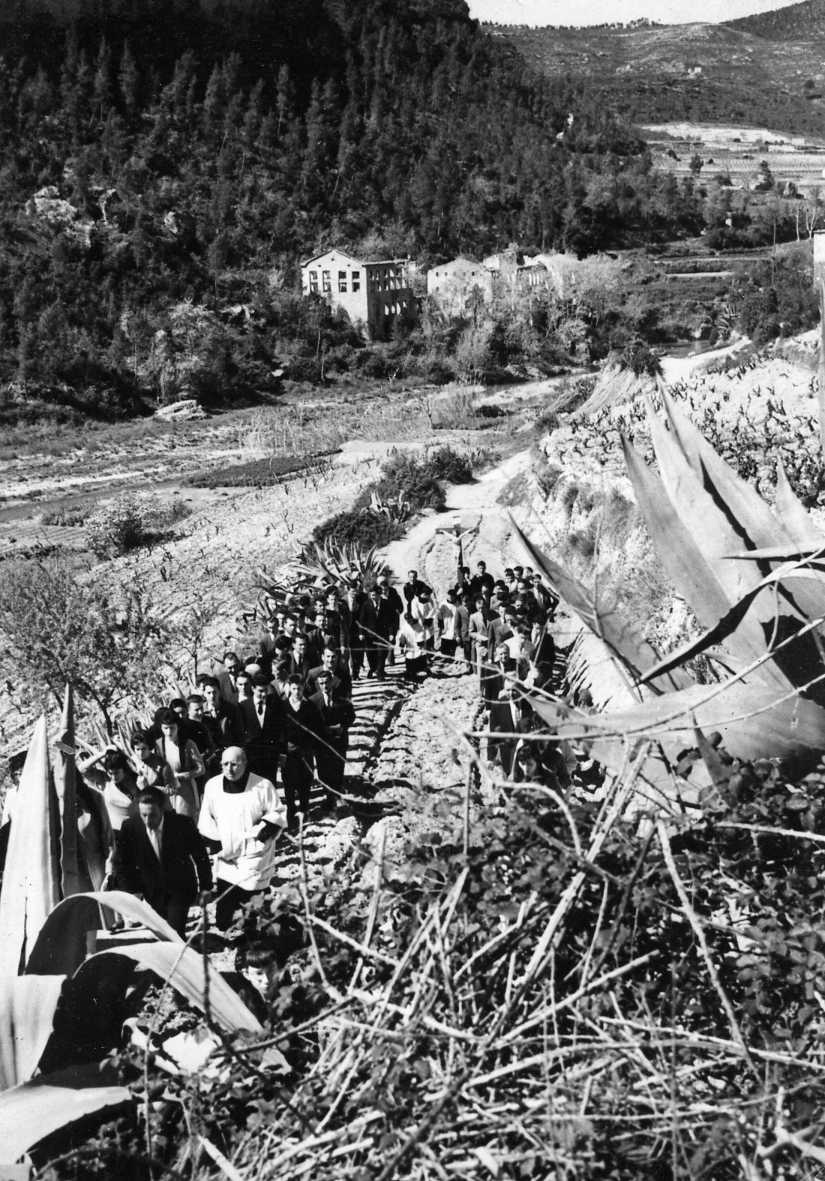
(412, 590)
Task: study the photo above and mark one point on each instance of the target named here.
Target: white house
(373, 293)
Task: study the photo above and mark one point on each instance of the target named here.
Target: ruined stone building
(457, 285)
(375, 294)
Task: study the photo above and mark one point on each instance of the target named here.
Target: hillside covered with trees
(763, 70)
(164, 166)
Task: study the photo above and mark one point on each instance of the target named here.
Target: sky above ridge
(594, 12)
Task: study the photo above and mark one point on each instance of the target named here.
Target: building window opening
(326, 281)
(342, 281)
(313, 281)
(356, 280)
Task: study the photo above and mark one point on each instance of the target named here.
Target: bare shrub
(117, 527)
(60, 628)
(453, 411)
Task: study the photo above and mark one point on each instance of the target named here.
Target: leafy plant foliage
(408, 484)
(522, 974)
(60, 628)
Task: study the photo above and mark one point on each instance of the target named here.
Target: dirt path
(405, 746)
(474, 515)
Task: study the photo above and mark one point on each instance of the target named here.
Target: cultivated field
(737, 151)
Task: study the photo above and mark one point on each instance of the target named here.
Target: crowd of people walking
(202, 795)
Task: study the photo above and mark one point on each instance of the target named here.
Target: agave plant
(755, 578)
(395, 509)
(339, 561)
(44, 923)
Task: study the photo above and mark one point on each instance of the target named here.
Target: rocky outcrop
(181, 411)
(47, 206)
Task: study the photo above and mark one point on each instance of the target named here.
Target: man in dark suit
(501, 629)
(262, 725)
(317, 634)
(352, 638)
(335, 716)
(508, 716)
(397, 606)
(220, 719)
(544, 656)
(227, 678)
(161, 855)
(267, 651)
(378, 621)
(495, 674)
(300, 664)
(331, 662)
(301, 727)
(338, 619)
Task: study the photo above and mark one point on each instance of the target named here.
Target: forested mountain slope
(182, 151)
(791, 22)
(765, 70)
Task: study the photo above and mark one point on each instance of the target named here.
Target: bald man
(240, 820)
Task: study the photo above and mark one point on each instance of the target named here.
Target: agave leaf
(792, 513)
(34, 1110)
(778, 553)
(94, 841)
(27, 1008)
(753, 721)
(791, 574)
(183, 969)
(714, 536)
(592, 669)
(621, 635)
(683, 559)
(74, 879)
(61, 943)
(712, 522)
(752, 520)
(31, 879)
(749, 514)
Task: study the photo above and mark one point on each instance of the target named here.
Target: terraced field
(737, 151)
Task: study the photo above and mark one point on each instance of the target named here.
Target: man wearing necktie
(262, 723)
(301, 727)
(335, 716)
(508, 718)
(228, 678)
(160, 855)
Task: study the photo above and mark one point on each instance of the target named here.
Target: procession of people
(200, 801)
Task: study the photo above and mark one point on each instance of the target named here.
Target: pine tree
(102, 83)
(284, 102)
(26, 353)
(253, 115)
(114, 141)
(213, 106)
(128, 80)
